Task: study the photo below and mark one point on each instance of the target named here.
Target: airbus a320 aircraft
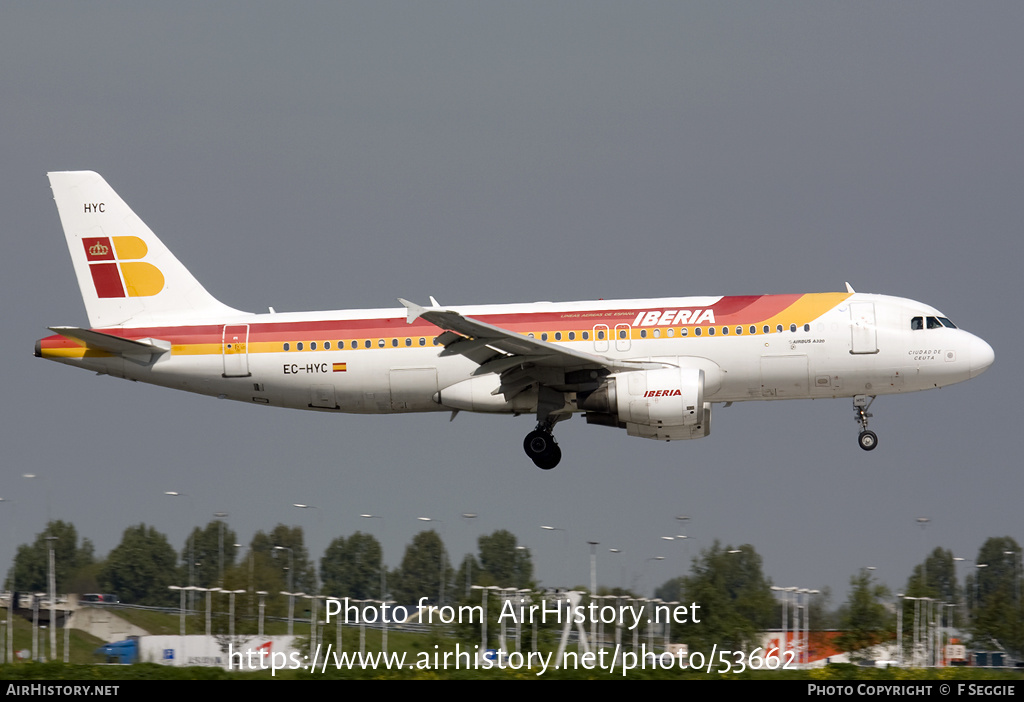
(652, 367)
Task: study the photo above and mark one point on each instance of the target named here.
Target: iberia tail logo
(116, 269)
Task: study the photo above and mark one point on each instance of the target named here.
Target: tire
(542, 449)
(550, 459)
(537, 443)
(868, 440)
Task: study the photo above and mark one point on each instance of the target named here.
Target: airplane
(653, 367)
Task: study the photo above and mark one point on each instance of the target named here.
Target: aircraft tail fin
(125, 273)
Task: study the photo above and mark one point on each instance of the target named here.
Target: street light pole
(650, 580)
(182, 625)
(468, 517)
(51, 577)
(291, 568)
(923, 522)
(593, 584)
(191, 544)
(263, 604)
(316, 577)
(552, 528)
(383, 570)
(440, 596)
(221, 516)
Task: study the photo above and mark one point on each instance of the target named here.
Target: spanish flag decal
(339, 368)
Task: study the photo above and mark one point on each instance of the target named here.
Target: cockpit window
(931, 323)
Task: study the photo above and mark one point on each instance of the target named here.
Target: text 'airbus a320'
(652, 367)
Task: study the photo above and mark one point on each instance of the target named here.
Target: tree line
(737, 602)
(735, 597)
(143, 566)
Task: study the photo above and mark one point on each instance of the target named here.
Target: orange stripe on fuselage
(269, 337)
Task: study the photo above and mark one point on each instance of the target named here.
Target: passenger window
(394, 342)
(622, 333)
(558, 336)
(792, 327)
(657, 333)
(671, 333)
(572, 336)
(327, 346)
(585, 335)
(312, 346)
(287, 346)
(711, 331)
(643, 333)
(725, 330)
(684, 331)
(408, 342)
(753, 329)
(778, 328)
(600, 334)
(298, 346)
(367, 343)
(423, 342)
(739, 330)
(380, 343)
(767, 329)
(696, 331)
(807, 327)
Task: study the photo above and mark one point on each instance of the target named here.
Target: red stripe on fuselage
(727, 310)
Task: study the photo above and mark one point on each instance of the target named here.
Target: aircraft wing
(498, 350)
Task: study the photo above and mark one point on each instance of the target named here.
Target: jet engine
(666, 404)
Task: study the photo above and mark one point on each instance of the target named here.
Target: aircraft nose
(982, 356)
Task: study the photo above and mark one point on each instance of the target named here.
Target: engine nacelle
(666, 404)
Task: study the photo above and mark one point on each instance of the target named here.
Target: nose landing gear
(867, 440)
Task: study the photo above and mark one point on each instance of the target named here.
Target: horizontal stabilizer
(141, 351)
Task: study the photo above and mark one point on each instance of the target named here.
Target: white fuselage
(398, 368)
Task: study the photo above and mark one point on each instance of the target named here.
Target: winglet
(414, 310)
(849, 289)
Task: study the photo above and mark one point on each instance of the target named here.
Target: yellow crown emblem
(99, 249)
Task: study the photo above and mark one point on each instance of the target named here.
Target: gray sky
(340, 155)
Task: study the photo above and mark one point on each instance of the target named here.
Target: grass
(419, 648)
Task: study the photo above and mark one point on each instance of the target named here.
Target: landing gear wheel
(867, 440)
(540, 446)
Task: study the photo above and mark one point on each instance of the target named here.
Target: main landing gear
(540, 444)
(541, 447)
(868, 440)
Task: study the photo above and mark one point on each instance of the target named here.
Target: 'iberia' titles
(672, 318)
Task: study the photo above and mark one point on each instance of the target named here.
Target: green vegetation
(725, 587)
(81, 647)
(418, 647)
